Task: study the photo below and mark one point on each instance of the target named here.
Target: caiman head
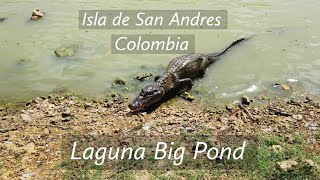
(148, 95)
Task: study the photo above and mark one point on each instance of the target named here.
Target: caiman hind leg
(203, 65)
(185, 83)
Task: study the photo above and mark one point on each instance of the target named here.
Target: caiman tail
(213, 56)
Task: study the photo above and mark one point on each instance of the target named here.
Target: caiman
(179, 74)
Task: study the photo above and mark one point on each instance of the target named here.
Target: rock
(63, 52)
(289, 139)
(26, 117)
(36, 14)
(113, 94)
(311, 126)
(263, 97)
(125, 89)
(187, 96)
(287, 165)
(11, 147)
(46, 131)
(146, 127)
(143, 77)
(229, 107)
(30, 148)
(277, 148)
(2, 19)
(292, 80)
(309, 162)
(23, 61)
(119, 81)
(283, 86)
(297, 116)
(246, 100)
(311, 113)
(26, 176)
(65, 114)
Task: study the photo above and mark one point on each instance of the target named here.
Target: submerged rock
(263, 97)
(119, 81)
(283, 86)
(2, 19)
(63, 52)
(187, 96)
(36, 14)
(23, 61)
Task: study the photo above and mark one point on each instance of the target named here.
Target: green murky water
(286, 46)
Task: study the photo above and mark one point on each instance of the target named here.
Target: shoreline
(33, 132)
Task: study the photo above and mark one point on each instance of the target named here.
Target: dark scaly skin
(179, 74)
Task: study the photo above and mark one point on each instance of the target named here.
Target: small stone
(311, 126)
(23, 61)
(36, 14)
(297, 116)
(277, 148)
(263, 97)
(63, 52)
(65, 114)
(289, 139)
(26, 117)
(309, 162)
(26, 176)
(311, 113)
(229, 107)
(283, 86)
(119, 81)
(287, 165)
(30, 148)
(187, 96)
(146, 127)
(46, 131)
(246, 100)
(2, 19)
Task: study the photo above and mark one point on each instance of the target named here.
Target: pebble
(287, 165)
(25, 117)
(277, 148)
(246, 100)
(30, 148)
(309, 162)
(298, 116)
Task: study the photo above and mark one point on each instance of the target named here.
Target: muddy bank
(31, 135)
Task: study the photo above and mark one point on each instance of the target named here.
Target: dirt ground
(31, 135)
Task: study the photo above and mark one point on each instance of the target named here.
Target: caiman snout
(137, 103)
(145, 99)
